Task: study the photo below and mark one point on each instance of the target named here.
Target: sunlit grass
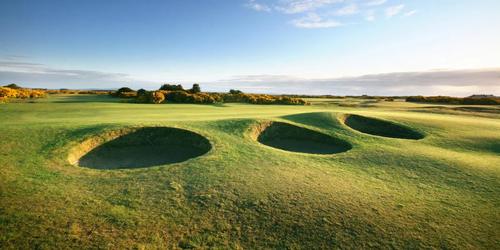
(437, 192)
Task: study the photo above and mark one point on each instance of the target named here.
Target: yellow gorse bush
(9, 93)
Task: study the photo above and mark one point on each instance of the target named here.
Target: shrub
(9, 93)
(176, 94)
(38, 94)
(415, 99)
(125, 92)
(125, 89)
(13, 86)
(262, 99)
(481, 101)
(179, 96)
(204, 98)
(171, 87)
(157, 97)
(23, 93)
(195, 89)
(455, 100)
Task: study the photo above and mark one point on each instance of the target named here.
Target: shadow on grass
(146, 147)
(297, 139)
(86, 99)
(379, 127)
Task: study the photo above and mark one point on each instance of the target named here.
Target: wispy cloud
(314, 21)
(410, 13)
(438, 82)
(350, 9)
(39, 75)
(375, 2)
(370, 15)
(394, 10)
(318, 13)
(300, 6)
(253, 4)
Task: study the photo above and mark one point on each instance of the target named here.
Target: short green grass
(442, 191)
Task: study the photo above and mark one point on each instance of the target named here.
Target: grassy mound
(379, 127)
(139, 148)
(297, 139)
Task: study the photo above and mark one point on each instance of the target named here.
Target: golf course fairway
(210, 176)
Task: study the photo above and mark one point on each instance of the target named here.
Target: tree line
(175, 93)
(487, 100)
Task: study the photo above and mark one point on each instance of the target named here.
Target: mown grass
(438, 192)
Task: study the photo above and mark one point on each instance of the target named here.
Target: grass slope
(438, 192)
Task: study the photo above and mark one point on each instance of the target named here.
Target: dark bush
(141, 92)
(171, 87)
(481, 101)
(124, 92)
(262, 99)
(176, 94)
(455, 100)
(13, 86)
(195, 89)
(124, 89)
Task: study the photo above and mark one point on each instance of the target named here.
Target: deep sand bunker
(139, 148)
(297, 139)
(379, 127)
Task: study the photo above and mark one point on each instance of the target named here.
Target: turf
(438, 192)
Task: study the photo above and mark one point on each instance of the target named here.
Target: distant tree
(172, 87)
(124, 92)
(235, 91)
(415, 99)
(13, 86)
(195, 89)
(482, 96)
(124, 89)
(455, 100)
(141, 92)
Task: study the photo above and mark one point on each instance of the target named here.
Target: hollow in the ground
(140, 148)
(380, 127)
(298, 139)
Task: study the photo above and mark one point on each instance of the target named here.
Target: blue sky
(276, 46)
